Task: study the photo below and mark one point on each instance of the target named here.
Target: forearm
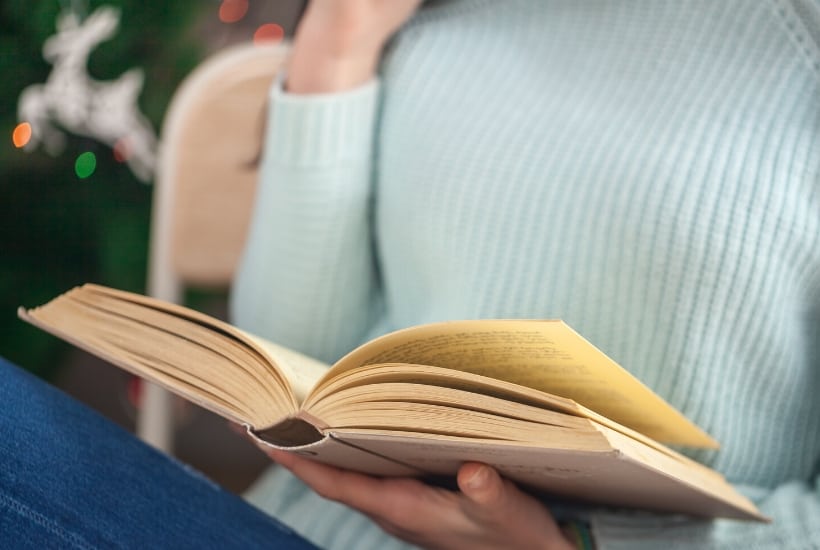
(322, 64)
(338, 44)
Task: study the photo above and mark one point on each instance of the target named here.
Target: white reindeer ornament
(70, 100)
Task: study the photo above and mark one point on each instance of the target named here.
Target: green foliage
(57, 230)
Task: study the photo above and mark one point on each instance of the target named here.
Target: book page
(302, 372)
(546, 355)
(200, 357)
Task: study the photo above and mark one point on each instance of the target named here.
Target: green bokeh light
(85, 165)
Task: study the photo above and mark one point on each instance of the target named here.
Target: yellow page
(545, 355)
(302, 372)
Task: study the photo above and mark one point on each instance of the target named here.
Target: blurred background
(79, 212)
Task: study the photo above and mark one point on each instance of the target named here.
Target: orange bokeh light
(231, 11)
(267, 33)
(21, 135)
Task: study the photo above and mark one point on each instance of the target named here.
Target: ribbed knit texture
(648, 171)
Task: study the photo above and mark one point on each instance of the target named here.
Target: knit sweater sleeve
(307, 278)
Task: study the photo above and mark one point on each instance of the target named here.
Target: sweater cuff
(320, 129)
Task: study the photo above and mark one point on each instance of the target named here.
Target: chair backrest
(205, 183)
(206, 175)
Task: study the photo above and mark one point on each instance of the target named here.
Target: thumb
(510, 513)
(481, 484)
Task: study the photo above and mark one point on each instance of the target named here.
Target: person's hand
(487, 512)
(338, 43)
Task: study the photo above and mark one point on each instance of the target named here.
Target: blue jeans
(69, 478)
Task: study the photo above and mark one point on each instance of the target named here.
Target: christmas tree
(100, 72)
(82, 214)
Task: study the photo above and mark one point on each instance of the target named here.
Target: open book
(532, 398)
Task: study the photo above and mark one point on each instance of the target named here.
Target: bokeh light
(21, 135)
(122, 150)
(268, 33)
(85, 165)
(231, 11)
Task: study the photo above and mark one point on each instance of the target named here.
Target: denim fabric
(69, 478)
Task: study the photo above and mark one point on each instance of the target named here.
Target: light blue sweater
(648, 171)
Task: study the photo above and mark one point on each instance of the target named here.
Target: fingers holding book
(486, 512)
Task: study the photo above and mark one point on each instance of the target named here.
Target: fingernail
(478, 479)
